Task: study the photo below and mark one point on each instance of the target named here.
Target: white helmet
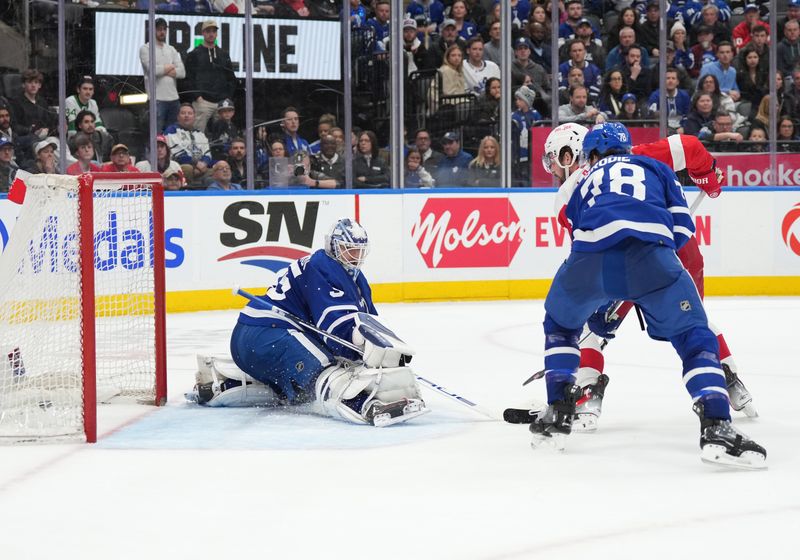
(347, 242)
(569, 135)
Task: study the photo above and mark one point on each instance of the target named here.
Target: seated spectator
(430, 157)
(221, 129)
(221, 178)
(647, 35)
(788, 140)
(710, 17)
(684, 58)
(188, 146)
(164, 161)
(691, 11)
(84, 153)
(592, 78)
(416, 176)
(83, 101)
(527, 72)
(569, 26)
(631, 113)
(752, 80)
(792, 14)
(431, 11)
(485, 170)
(577, 110)
(699, 121)
(610, 101)
(616, 56)
(237, 160)
(742, 32)
(723, 135)
(453, 169)
(291, 139)
(101, 139)
(722, 102)
(758, 137)
(8, 167)
(638, 77)
(370, 171)
(491, 48)
(451, 76)
(324, 125)
(785, 103)
(759, 42)
(45, 157)
(437, 47)
(704, 50)
(628, 17)
(338, 134)
(277, 147)
(475, 70)
(540, 16)
(30, 111)
(523, 119)
(416, 54)
(21, 140)
(380, 24)
(465, 26)
(520, 12)
(120, 161)
(327, 167)
(792, 94)
(724, 71)
(172, 180)
(489, 102)
(789, 47)
(677, 101)
(540, 48)
(595, 53)
(358, 13)
(574, 79)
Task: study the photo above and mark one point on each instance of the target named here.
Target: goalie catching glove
(381, 347)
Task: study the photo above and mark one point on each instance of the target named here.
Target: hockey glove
(382, 348)
(710, 182)
(604, 324)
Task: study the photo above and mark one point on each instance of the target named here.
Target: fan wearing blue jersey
(278, 360)
(628, 216)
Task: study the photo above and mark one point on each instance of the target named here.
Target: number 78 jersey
(628, 196)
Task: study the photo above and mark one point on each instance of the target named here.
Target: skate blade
(556, 442)
(412, 410)
(716, 455)
(750, 410)
(585, 423)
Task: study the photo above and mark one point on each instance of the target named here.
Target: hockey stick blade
(519, 415)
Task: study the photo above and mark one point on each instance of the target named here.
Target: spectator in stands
(327, 166)
(358, 13)
(448, 36)
(325, 123)
(520, 12)
(465, 26)
(578, 110)
(742, 32)
(699, 121)
(595, 53)
(789, 47)
(171, 180)
(454, 166)
(540, 48)
(575, 79)
(684, 81)
(710, 17)
(759, 42)
(30, 111)
(169, 69)
(430, 157)
(647, 34)
(221, 178)
(416, 53)
(451, 76)
(684, 59)
(120, 161)
(525, 71)
(752, 80)
(209, 73)
(785, 104)
(722, 101)
(84, 153)
(723, 71)
(569, 26)
(616, 57)
(221, 129)
(523, 119)
(723, 134)
(416, 176)
(758, 136)
(102, 141)
(290, 125)
(540, 15)
(338, 134)
(792, 14)
(8, 167)
(610, 100)
(704, 51)
(82, 101)
(638, 78)
(793, 94)
(237, 160)
(631, 113)
(370, 171)
(380, 24)
(788, 140)
(189, 146)
(430, 11)
(592, 77)
(475, 70)
(44, 156)
(628, 17)
(489, 103)
(491, 48)
(164, 161)
(678, 102)
(485, 170)
(10, 132)
(691, 11)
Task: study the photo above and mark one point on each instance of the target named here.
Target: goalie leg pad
(220, 383)
(379, 397)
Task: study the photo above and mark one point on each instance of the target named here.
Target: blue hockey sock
(556, 380)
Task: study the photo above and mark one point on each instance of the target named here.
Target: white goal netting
(42, 303)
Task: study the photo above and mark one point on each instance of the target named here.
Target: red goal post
(82, 316)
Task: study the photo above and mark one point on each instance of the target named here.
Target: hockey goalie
(277, 360)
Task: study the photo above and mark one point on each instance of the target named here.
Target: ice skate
(722, 444)
(382, 414)
(551, 426)
(589, 405)
(741, 399)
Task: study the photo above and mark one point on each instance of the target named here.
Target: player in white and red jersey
(679, 151)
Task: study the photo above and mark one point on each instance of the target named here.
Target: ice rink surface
(188, 482)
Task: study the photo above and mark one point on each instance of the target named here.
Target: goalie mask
(567, 138)
(347, 242)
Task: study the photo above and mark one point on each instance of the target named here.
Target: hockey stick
(360, 351)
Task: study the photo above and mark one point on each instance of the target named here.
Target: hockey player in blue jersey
(276, 360)
(628, 217)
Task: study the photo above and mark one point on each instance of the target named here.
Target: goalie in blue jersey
(628, 217)
(279, 361)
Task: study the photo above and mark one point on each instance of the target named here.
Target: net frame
(92, 187)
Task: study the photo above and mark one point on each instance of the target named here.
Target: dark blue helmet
(607, 138)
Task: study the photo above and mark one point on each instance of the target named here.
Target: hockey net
(81, 303)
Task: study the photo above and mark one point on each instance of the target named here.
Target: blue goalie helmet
(347, 242)
(607, 138)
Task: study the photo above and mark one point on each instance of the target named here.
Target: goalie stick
(347, 344)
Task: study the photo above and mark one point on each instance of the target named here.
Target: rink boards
(442, 244)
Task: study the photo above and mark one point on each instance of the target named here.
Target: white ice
(188, 482)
